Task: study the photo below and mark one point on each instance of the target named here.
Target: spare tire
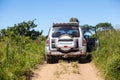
(65, 43)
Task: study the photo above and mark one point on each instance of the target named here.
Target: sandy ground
(67, 71)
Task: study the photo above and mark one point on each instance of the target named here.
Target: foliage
(107, 58)
(22, 29)
(87, 28)
(18, 59)
(19, 52)
(104, 26)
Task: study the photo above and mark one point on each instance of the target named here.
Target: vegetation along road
(22, 48)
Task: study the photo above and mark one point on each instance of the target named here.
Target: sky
(47, 12)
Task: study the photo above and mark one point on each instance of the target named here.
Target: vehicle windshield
(69, 30)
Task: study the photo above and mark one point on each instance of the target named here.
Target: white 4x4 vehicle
(65, 40)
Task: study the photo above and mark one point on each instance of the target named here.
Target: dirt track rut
(67, 71)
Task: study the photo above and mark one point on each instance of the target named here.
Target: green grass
(107, 58)
(17, 59)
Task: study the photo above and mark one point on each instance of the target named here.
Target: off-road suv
(65, 40)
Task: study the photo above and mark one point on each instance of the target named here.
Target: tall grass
(17, 58)
(107, 58)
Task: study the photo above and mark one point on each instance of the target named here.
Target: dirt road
(67, 71)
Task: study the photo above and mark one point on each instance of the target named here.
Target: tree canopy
(22, 29)
(87, 28)
(104, 26)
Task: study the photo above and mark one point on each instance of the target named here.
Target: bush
(19, 57)
(113, 69)
(21, 48)
(107, 58)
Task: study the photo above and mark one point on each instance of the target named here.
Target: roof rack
(66, 24)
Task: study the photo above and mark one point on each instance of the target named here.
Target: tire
(51, 60)
(85, 59)
(62, 49)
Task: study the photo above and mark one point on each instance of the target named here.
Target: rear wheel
(85, 58)
(51, 60)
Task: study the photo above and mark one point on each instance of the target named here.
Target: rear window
(61, 30)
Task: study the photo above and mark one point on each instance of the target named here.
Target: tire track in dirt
(67, 71)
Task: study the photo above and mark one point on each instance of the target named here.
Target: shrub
(107, 58)
(18, 58)
(113, 68)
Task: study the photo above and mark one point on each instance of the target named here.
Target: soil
(67, 71)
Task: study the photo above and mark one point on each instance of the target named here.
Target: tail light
(83, 41)
(47, 42)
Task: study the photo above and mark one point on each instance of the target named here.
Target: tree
(74, 20)
(22, 29)
(104, 26)
(87, 28)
